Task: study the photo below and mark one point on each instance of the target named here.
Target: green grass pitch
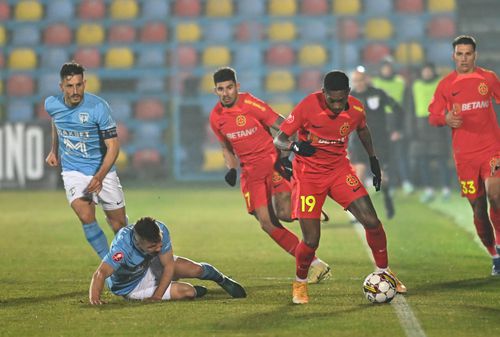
(46, 266)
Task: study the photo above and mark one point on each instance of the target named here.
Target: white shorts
(149, 283)
(110, 197)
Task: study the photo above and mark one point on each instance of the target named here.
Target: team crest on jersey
(351, 180)
(373, 102)
(84, 117)
(241, 120)
(277, 177)
(117, 257)
(483, 88)
(344, 129)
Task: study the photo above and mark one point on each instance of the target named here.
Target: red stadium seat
(149, 109)
(4, 11)
(154, 32)
(188, 8)
(348, 29)
(280, 55)
(409, 6)
(123, 133)
(441, 27)
(2, 61)
(121, 33)
(41, 114)
(88, 57)
(187, 57)
(57, 34)
(20, 85)
(146, 158)
(314, 7)
(374, 53)
(310, 80)
(92, 9)
(249, 31)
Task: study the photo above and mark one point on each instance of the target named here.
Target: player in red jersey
(242, 124)
(463, 101)
(324, 120)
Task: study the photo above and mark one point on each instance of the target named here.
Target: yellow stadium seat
(1, 87)
(282, 31)
(312, 55)
(216, 56)
(188, 32)
(346, 7)
(28, 10)
(409, 53)
(441, 5)
(119, 58)
(282, 7)
(214, 161)
(219, 8)
(121, 161)
(378, 29)
(280, 81)
(207, 83)
(283, 108)
(3, 35)
(90, 34)
(22, 58)
(93, 83)
(124, 9)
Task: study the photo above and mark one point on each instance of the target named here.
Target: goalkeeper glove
(303, 148)
(375, 167)
(230, 177)
(284, 167)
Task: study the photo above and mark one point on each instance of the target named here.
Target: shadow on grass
(12, 302)
(475, 283)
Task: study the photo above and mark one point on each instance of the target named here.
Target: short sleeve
(166, 243)
(103, 116)
(263, 111)
(215, 129)
(115, 257)
(294, 121)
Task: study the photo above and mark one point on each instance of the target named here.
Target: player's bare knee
(284, 215)
(182, 291)
(267, 226)
(369, 220)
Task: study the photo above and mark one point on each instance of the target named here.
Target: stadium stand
(149, 109)
(144, 50)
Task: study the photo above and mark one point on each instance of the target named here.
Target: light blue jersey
(79, 130)
(128, 262)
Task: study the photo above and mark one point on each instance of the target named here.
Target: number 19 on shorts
(307, 203)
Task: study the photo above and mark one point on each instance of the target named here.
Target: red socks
(286, 239)
(378, 243)
(304, 255)
(485, 233)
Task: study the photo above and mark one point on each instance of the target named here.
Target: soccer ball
(379, 287)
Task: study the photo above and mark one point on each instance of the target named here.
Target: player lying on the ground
(140, 265)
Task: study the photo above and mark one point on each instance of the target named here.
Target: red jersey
(330, 136)
(471, 95)
(246, 126)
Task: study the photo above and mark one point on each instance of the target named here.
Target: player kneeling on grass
(141, 265)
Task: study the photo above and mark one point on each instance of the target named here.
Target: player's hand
(51, 159)
(230, 177)
(284, 167)
(495, 166)
(377, 178)
(303, 148)
(453, 118)
(96, 301)
(153, 299)
(95, 185)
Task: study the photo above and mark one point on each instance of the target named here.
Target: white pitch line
(407, 318)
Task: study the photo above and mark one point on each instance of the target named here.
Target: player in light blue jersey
(140, 265)
(85, 143)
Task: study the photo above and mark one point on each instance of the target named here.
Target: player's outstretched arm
(366, 139)
(112, 150)
(302, 148)
(52, 159)
(97, 284)
(167, 261)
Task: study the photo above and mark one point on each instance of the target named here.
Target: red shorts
(309, 192)
(258, 191)
(473, 173)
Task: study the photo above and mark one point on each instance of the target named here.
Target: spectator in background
(464, 101)
(395, 86)
(85, 144)
(429, 145)
(376, 102)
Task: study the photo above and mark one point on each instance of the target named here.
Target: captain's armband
(109, 133)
